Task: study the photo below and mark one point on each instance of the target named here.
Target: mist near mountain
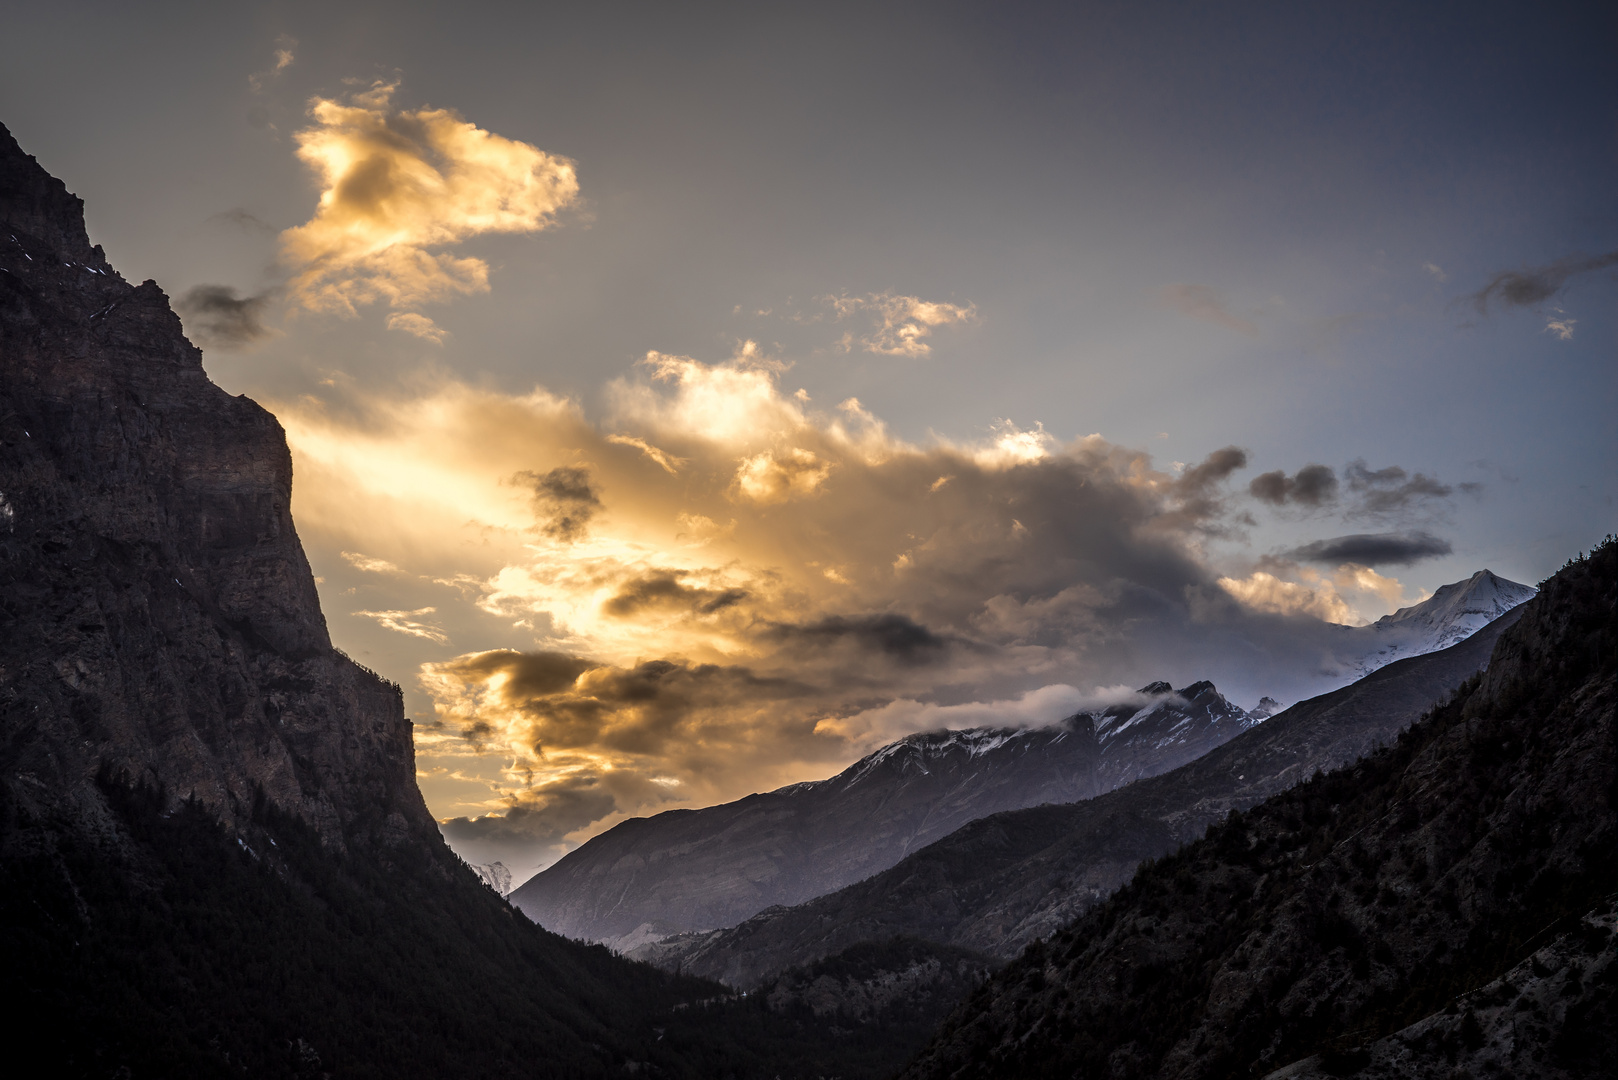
(685, 870)
(1002, 881)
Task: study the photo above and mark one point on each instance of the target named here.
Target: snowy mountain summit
(1451, 615)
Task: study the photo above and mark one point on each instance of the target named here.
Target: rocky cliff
(157, 615)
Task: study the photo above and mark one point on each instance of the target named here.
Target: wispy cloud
(398, 187)
(282, 58)
(216, 317)
(1208, 304)
(406, 622)
(417, 325)
(902, 323)
(1535, 285)
(1559, 325)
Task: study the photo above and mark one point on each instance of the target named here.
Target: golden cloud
(902, 322)
(751, 604)
(398, 184)
(418, 325)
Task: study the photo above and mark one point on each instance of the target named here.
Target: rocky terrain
(1441, 908)
(160, 617)
(648, 878)
(1004, 880)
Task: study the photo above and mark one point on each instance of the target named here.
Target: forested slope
(1338, 914)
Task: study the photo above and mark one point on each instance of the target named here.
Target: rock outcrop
(157, 615)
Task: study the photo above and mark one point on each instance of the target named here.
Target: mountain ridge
(685, 870)
(1443, 907)
(1004, 880)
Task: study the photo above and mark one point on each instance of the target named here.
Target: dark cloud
(215, 316)
(1374, 549)
(1214, 469)
(244, 220)
(528, 674)
(645, 709)
(543, 816)
(533, 829)
(1201, 503)
(1525, 288)
(1385, 491)
(566, 501)
(1312, 485)
(665, 590)
(892, 635)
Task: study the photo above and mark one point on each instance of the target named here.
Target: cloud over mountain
(691, 632)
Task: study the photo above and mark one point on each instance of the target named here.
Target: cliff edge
(158, 617)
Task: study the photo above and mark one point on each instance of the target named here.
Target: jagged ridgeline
(1443, 907)
(214, 858)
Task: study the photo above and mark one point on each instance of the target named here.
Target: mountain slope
(1004, 880)
(1336, 925)
(1452, 614)
(699, 869)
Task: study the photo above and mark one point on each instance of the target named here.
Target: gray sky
(1374, 239)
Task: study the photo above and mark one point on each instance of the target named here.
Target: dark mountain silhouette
(648, 878)
(1445, 907)
(1002, 881)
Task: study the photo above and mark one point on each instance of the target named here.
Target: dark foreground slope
(214, 859)
(1356, 924)
(1004, 880)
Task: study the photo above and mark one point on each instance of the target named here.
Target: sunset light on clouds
(682, 406)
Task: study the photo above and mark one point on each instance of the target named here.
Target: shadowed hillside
(1338, 925)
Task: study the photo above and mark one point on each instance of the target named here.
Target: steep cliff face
(157, 614)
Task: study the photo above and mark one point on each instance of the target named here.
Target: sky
(686, 400)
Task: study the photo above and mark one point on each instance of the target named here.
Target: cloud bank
(716, 586)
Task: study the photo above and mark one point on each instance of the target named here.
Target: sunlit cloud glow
(719, 585)
(397, 187)
(901, 323)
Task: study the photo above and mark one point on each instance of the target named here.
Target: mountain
(1450, 615)
(1445, 907)
(160, 616)
(214, 858)
(682, 870)
(1004, 880)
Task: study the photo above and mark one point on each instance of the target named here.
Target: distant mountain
(684, 870)
(1001, 881)
(495, 876)
(1442, 908)
(1452, 614)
